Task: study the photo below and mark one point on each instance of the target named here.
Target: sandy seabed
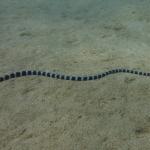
(75, 37)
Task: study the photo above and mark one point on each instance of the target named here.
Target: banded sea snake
(70, 77)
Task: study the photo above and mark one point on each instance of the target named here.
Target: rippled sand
(75, 37)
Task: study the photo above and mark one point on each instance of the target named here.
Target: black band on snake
(69, 77)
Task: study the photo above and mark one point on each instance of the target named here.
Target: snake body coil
(69, 77)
